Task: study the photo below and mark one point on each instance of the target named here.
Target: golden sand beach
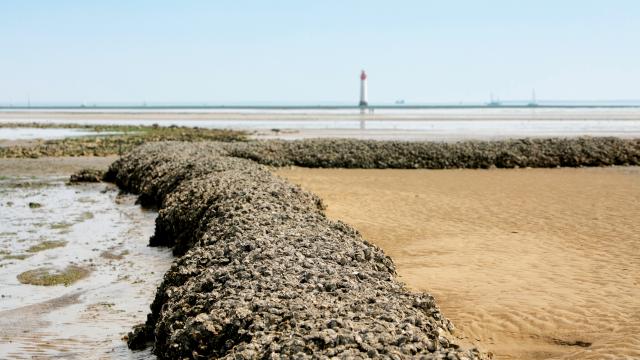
(528, 263)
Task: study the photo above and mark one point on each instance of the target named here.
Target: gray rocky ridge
(262, 273)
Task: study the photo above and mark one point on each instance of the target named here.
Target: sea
(385, 122)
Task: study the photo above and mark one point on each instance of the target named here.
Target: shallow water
(45, 134)
(444, 124)
(420, 124)
(106, 233)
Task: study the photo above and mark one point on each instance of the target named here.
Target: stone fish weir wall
(262, 273)
(538, 153)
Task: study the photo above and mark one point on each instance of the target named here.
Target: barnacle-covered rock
(350, 153)
(86, 175)
(262, 273)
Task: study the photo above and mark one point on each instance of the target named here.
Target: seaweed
(50, 277)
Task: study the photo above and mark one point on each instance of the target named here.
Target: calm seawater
(426, 124)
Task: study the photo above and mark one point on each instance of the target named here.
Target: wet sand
(528, 263)
(93, 228)
(53, 166)
(460, 131)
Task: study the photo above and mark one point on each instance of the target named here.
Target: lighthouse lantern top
(363, 75)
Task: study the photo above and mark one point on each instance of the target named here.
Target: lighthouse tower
(363, 90)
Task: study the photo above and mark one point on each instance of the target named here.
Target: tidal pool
(46, 225)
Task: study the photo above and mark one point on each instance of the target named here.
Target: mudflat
(75, 269)
(49, 166)
(527, 263)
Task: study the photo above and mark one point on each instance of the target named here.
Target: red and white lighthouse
(363, 89)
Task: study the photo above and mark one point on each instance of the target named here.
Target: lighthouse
(363, 89)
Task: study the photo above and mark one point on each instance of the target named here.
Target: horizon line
(404, 106)
(397, 103)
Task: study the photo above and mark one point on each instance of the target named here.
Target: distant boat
(400, 102)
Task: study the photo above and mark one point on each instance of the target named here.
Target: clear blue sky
(293, 51)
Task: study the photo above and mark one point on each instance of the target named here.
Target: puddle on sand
(47, 224)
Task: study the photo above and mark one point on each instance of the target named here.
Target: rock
(261, 272)
(87, 175)
(140, 337)
(517, 153)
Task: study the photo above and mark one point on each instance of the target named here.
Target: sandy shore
(529, 264)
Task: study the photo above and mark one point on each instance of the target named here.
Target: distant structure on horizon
(363, 89)
(494, 102)
(533, 102)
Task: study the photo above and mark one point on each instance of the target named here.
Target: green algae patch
(7, 255)
(50, 277)
(15, 257)
(60, 226)
(87, 200)
(104, 144)
(87, 215)
(46, 245)
(109, 255)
